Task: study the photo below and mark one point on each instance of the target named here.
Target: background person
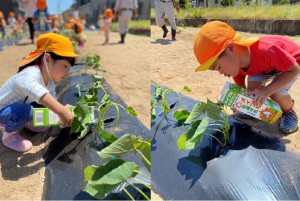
(2, 25)
(30, 7)
(124, 10)
(166, 7)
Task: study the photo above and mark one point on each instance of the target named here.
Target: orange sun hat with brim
(108, 12)
(50, 42)
(212, 39)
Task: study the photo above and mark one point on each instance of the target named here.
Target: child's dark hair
(54, 56)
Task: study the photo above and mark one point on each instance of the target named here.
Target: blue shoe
(242, 115)
(289, 122)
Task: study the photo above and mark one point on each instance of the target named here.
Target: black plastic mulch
(253, 166)
(66, 156)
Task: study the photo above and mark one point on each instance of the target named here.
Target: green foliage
(103, 179)
(128, 143)
(185, 4)
(92, 61)
(246, 2)
(185, 88)
(226, 3)
(271, 12)
(215, 118)
(159, 99)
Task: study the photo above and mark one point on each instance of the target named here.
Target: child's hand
(66, 116)
(260, 95)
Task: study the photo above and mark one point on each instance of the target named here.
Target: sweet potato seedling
(203, 118)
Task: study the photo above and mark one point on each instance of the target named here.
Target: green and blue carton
(46, 117)
(237, 97)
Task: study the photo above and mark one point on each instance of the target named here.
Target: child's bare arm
(261, 94)
(63, 112)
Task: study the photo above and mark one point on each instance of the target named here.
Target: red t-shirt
(270, 54)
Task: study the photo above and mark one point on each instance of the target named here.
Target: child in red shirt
(218, 47)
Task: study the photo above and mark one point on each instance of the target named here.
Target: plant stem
(129, 195)
(140, 181)
(139, 172)
(215, 139)
(144, 157)
(226, 135)
(139, 190)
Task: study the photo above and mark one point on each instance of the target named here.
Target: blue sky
(64, 5)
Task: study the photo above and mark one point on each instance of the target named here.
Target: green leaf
(131, 111)
(105, 98)
(100, 191)
(213, 110)
(181, 115)
(112, 172)
(83, 132)
(197, 111)
(181, 142)
(110, 138)
(185, 88)
(81, 110)
(89, 172)
(158, 93)
(195, 136)
(115, 171)
(120, 147)
(76, 125)
(93, 91)
(153, 114)
(97, 78)
(138, 142)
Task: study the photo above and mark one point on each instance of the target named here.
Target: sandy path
(128, 73)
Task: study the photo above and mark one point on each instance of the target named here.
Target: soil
(127, 72)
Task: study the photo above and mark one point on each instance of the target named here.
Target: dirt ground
(127, 72)
(174, 65)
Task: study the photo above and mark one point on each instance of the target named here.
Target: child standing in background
(100, 22)
(107, 22)
(79, 35)
(41, 17)
(34, 86)
(2, 25)
(11, 20)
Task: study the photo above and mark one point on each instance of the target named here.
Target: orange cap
(1, 15)
(11, 14)
(79, 27)
(20, 19)
(41, 4)
(212, 39)
(108, 12)
(50, 42)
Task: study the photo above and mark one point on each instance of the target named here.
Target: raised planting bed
(252, 165)
(66, 156)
